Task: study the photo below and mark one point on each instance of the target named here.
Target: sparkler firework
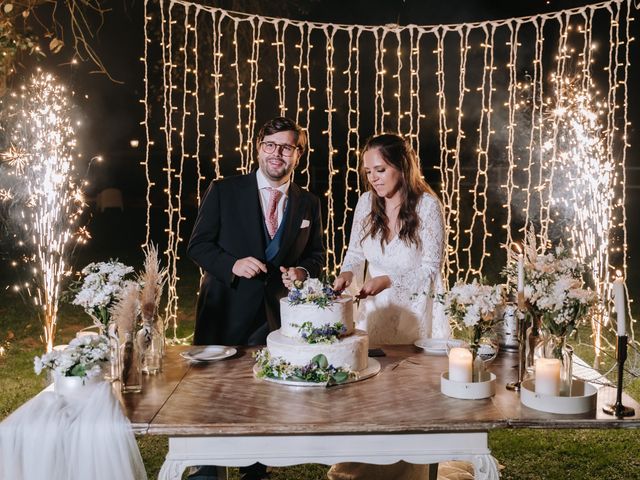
(46, 200)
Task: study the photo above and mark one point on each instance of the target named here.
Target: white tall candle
(520, 272)
(618, 299)
(548, 376)
(460, 365)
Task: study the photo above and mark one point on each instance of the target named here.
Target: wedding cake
(317, 340)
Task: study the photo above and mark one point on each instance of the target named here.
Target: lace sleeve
(354, 258)
(432, 238)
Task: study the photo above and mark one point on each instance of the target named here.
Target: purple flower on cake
(325, 334)
(313, 291)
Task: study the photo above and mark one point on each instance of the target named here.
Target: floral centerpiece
(97, 291)
(556, 301)
(84, 357)
(317, 371)
(554, 291)
(312, 290)
(472, 310)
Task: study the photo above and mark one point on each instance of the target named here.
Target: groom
(254, 235)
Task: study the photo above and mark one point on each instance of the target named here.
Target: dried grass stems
(152, 280)
(125, 310)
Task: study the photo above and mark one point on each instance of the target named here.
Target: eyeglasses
(286, 149)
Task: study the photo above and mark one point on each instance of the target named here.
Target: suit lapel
(251, 214)
(292, 221)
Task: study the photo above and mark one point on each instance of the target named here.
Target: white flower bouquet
(97, 291)
(83, 357)
(472, 308)
(554, 290)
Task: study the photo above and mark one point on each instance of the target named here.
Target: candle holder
(522, 368)
(618, 409)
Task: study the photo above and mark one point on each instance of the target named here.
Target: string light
(397, 76)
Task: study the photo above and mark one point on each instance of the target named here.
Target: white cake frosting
(293, 316)
(350, 352)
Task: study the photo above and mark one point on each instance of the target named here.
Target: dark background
(112, 112)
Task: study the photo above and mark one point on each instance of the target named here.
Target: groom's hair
(284, 124)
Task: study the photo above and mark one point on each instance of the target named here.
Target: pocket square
(305, 223)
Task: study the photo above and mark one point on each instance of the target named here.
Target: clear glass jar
(131, 363)
(151, 342)
(555, 346)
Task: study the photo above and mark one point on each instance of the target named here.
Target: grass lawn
(525, 454)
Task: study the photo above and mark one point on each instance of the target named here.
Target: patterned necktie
(272, 211)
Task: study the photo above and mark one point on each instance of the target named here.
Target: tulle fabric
(69, 438)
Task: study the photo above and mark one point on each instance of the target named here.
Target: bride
(398, 229)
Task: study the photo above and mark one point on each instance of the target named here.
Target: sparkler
(45, 197)
(584, 193)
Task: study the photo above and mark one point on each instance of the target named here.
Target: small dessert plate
(208, 353)
(437, 346)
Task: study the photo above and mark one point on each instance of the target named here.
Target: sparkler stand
(522, 350)
(618, 409)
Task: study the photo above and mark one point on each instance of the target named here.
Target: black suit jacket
(230, 225)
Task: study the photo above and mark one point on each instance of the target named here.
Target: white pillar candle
(520, 272)
(60, 348)
(548, 376)
(460, 365)
(618, 299)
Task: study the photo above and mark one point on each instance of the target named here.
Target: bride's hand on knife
(342, 281)
(374, 286)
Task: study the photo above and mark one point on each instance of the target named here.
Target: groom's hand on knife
(291, 274)
(374, 286)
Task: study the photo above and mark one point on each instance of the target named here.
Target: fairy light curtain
(516, 121)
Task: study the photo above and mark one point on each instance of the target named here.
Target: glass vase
(131, 364)
(150, 341)
(532, 340)
(112, 371)
(555, 346)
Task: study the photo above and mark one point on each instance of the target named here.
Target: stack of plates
(208, 353)
(437, 346)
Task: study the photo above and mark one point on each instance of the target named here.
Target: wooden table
(219, 414)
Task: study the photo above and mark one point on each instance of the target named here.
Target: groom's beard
(277, 168)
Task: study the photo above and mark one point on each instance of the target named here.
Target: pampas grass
(125, 311)
(152, 280)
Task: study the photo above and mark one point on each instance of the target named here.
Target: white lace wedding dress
(407, 310)
(402, 313)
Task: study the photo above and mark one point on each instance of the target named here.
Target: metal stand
(522, 351)
(618, 409)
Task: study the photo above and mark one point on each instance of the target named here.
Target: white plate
(437, 346)
(208, 353)
(372, 369)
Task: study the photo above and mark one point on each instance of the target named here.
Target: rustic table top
(224, 398)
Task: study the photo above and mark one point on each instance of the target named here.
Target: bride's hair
(399, 154)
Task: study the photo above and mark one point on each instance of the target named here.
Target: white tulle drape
(69, 438)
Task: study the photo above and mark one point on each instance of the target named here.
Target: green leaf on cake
(321, 361)
(340, 377)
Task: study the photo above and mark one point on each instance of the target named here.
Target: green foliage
(317, 371)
